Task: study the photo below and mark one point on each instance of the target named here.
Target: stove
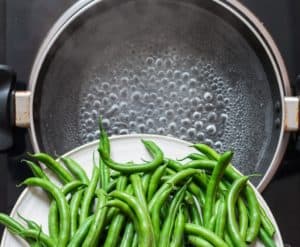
(24, 24)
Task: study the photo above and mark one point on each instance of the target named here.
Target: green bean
(228, 239)
(11, 223)
(266, 222)
(243, 218)
(154, 181)
(205, 234)
(138, 191)
(194, 156)
(114, 230)
(153, 149)
(146, 237)
(197, 192)
(43, 238)
(36, 170)
(174, 165)
(53, 221)
(213, 185)
(212, 223)
(104, 140)
(233, 195)
(162, 194)
(135, 241)
(265, 238)
(104, 176)
(178, 177)
(128, 236)
(118, 221)
(166, 231)
(76, 170)
(53, 212)
(30, 223)
(120, 204)
(54, 166)
(145, 182)
(63, 208)
(232, 174)
(178, 232)
(221, 218)
(97, 226)
(254, 215)
(81, 232)
(74, 209)
(198, 242)
(88, 195)
(195, 216)
(111, 186)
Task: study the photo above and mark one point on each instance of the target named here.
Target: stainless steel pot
(240, 34)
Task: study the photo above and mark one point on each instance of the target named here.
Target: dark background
(24, 24)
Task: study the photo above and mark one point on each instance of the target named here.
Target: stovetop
(23, 24)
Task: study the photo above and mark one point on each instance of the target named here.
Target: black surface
(24, 24)
(7, 78)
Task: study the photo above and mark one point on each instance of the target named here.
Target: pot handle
(7, 86)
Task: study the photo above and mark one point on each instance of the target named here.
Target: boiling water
(169, 94)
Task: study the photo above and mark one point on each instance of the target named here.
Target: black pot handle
(7, 86)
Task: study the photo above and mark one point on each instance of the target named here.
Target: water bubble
(182, 130)
(105, 86)
(158, 62)
(96, 104)
(172, 126)
(113, 96)
(161, 74)
(226, 100)
(142, 127)
(191, 132)
(161, 131)
(198, 125)
(180, 110)
(173, 95)
(208, 96)
(163, 120)
(177, 74)
(212, 117)
(183, 88)
(105, 101)
(223, 117)
(200, 136)
(167, 104)
(150, 123)
(196, 115)
(149, 60)
(185, 122)
(123, 132)
(172, 85)
(132, 124)
(208, 142)
(211, 129)
(219, 97)
(209, 106)
(169, 114)
(185, 76)
(168, 62)
(192, 92)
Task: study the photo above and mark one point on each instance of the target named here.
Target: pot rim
(235, 8)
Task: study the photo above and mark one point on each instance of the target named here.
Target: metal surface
(292, 113)
(22, 109)
(235, 8)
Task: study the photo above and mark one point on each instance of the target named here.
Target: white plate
(33, 203)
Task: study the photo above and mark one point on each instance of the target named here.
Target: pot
(203, 71)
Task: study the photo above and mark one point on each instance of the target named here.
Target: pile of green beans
(200, 200)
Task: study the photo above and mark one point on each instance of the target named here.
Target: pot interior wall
(162, 67)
